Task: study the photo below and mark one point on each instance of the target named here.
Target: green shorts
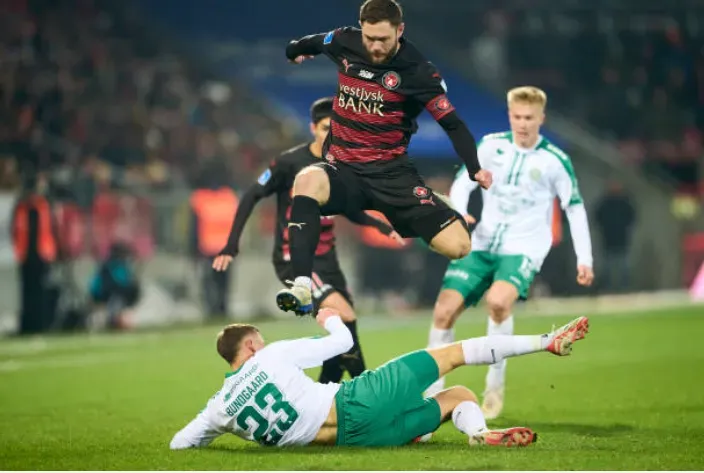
(472, 275)
(385, 406)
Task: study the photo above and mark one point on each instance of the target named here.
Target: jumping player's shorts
(327, 277)
(385, 406)
(395, 189)
(474, 274)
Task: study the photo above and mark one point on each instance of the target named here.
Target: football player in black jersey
(384, 83)
(329, 287)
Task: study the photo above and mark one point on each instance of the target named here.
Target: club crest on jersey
(421, 192)
(535, 174)
(442, 104)
(391, 80)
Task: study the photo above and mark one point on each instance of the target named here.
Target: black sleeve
(430, 90)
(270, 181)
(250, 198)
(363, 218)
(463, 141)
(310, 45)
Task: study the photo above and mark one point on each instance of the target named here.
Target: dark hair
(230, 339)
(376, 11)
(321, 108)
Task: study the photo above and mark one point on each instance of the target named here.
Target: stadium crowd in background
(638, 80)
(82, 85)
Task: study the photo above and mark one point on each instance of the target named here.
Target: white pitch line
(58, 363)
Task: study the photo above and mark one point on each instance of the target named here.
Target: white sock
(468, 418)
(492, 349)
(303, 281)
(440, 336)
(497, 372)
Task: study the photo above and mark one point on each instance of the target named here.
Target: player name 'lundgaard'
(247, 392)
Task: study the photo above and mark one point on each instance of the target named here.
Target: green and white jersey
(518, 208)
(270, 400)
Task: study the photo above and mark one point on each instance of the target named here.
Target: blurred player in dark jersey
(384, 83)
(329, 287)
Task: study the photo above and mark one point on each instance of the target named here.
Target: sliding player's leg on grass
(464, 284)
(460, 404)
(386, 406)
(504, 280)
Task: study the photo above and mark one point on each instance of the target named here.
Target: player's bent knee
(452, 397)
(500, 299)
(463, 393)
(312, 182)
(447, 309)
(498, 307)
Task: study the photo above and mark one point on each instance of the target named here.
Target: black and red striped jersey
(377, 105)
(278, 179)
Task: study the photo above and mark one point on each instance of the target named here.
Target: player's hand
(470, 219)
(221, 262)
(585, 275)
(300, 59)
(484, 178)
(397, 238)
(325, 314)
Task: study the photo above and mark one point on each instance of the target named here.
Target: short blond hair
(527, 94)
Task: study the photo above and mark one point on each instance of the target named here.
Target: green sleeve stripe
(566, 162)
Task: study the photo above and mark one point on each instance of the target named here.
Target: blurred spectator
(115, 286)
(213, 205)
(615, 219)
(36, 249)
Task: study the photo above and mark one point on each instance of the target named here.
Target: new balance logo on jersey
(296, 225)
(364, 74)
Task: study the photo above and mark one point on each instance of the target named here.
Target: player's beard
(382, 59)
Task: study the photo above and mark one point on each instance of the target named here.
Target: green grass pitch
(631, 397)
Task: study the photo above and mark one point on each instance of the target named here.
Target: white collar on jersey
(532, 148)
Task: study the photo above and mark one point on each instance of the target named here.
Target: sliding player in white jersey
(514, 235)
(267, 398)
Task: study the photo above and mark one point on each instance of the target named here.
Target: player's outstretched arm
(244, 210)
(565, 185)
(270, 181)
(312, 352)
(364, 219)
(307, 47)
(431, 91)
(312, 45)
(196, 434)
(466, 147)
(582, 242)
